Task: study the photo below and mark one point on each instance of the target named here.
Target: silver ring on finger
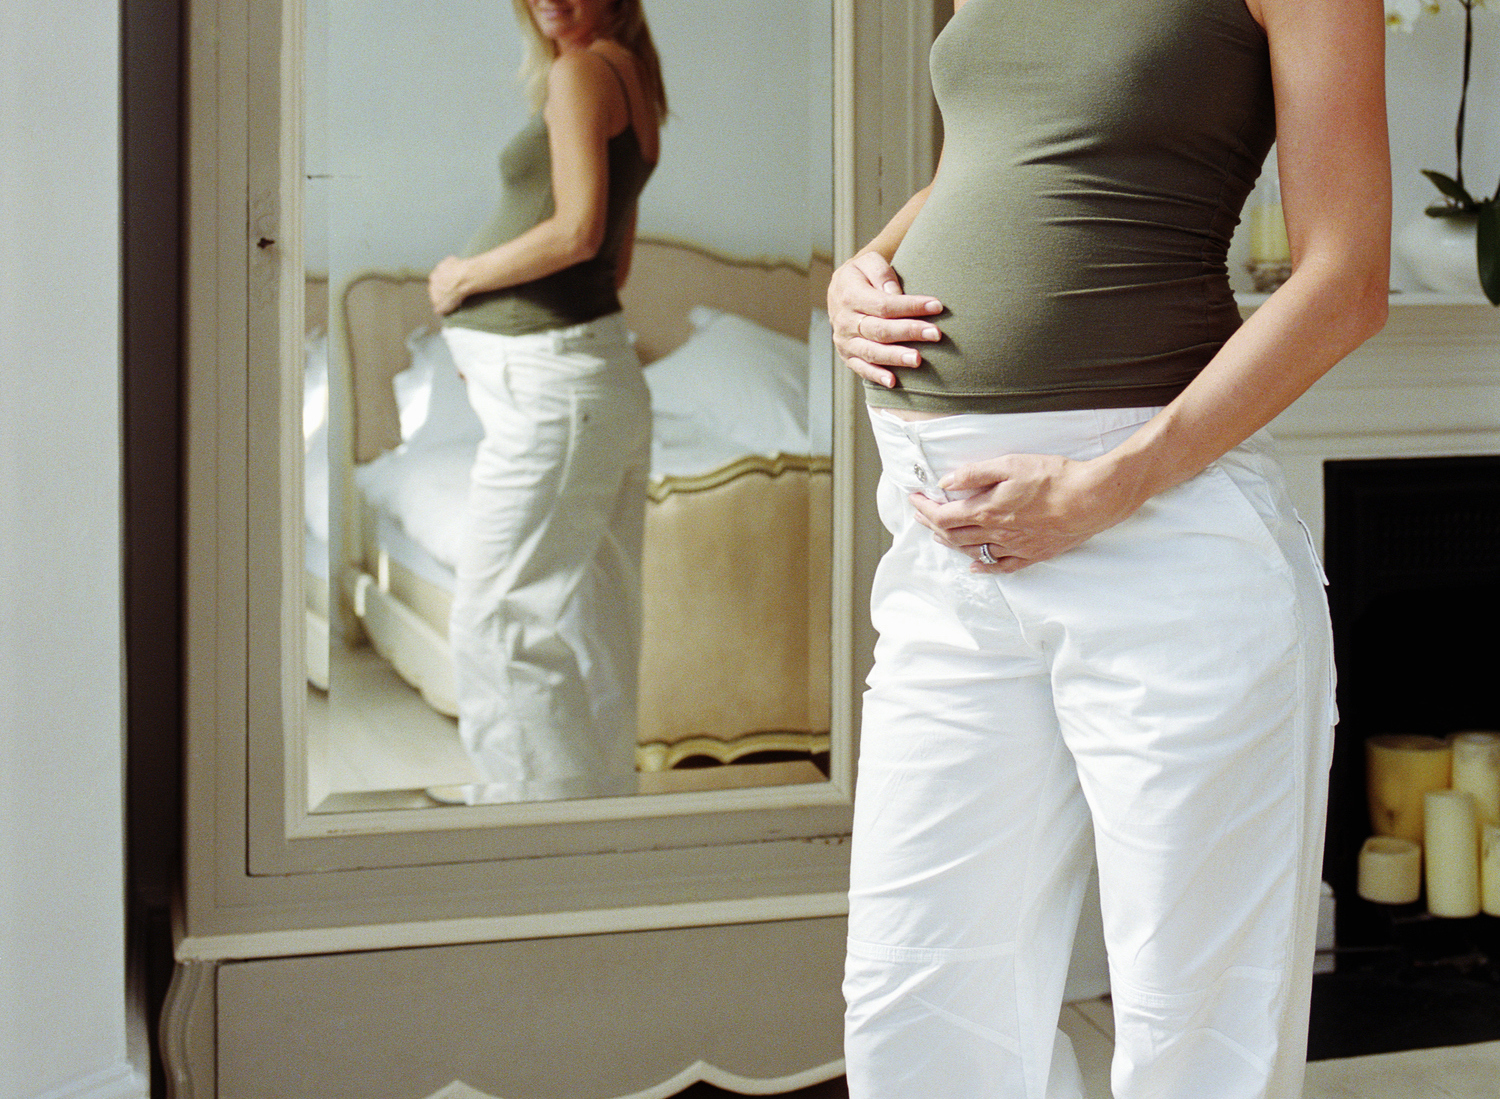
(859, 327)
(985, 555)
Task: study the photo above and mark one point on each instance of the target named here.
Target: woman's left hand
(1025, 508)
(444, 285)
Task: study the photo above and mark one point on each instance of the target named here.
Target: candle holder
(1270, 262)
(1266, 275)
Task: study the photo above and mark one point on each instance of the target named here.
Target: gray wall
(62, 978)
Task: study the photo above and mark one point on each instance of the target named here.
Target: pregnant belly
(1034, 314)
(999, 314)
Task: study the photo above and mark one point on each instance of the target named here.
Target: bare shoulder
(579, 85)
(1273, 14)
(577, 69)
(611, 52)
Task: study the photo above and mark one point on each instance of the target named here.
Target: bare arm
(1327, 60)
(581, 103)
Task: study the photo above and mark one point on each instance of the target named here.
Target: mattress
(413, 501)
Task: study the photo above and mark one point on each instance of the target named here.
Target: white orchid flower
(1404, 13)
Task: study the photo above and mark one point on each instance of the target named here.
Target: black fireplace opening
(1412, 549)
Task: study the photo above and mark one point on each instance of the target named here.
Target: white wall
(62, 986)
(1424, 75)
(406, 119)
(749, 82)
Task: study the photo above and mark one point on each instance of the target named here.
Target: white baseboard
(120, 1081)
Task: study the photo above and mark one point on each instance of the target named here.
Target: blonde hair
(625, 23)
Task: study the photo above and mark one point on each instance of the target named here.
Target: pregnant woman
(1102, 629)
(546, 623)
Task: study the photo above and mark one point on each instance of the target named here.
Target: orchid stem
(1463, 98)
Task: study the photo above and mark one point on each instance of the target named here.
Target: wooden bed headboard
(380, 311)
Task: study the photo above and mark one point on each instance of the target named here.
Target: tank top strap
(624, 87)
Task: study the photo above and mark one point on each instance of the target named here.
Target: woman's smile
(569, 23)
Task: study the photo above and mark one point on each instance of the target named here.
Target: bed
(735, 654)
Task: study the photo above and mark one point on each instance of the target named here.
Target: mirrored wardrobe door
(474, 914)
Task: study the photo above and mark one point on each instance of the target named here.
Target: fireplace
(1412, 550)
(1394, 460)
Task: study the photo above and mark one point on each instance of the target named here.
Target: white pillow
(424, 489)
(733, 388)
(430, 396)
(821, 364)
(315, 437)
(314, 383)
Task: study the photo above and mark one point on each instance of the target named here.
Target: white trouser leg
(1170, 678)
(545, 625)
(971, 851)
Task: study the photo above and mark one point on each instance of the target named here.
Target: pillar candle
(1476, 771)
(1390, 870)
(1489, 870)
(1452, 854)
(1268, 239)
(1399, 771)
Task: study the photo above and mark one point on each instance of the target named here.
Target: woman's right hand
(445, 289)
(872, 318)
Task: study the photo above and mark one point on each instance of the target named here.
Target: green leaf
(1452, 189)
(1489, 249)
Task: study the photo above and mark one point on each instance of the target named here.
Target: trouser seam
(926, 955)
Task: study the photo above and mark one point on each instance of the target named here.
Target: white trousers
(1160, 696)
(546, 615)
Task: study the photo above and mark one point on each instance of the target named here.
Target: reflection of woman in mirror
(1102, 628)
(546, 613)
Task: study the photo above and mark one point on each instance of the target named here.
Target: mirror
(403, 123)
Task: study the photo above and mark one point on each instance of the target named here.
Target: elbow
(1359, 276)
(1353, 296)
(1370, 304)
(582, 241)
(1379, 313)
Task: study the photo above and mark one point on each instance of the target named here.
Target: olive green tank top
(1096, 157)
(582, 292)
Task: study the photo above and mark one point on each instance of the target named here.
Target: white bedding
(315, 555)
(734, 388)
(419, 492)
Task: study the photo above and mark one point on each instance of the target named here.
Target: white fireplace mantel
(1428, 385)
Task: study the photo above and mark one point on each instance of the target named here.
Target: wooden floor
(372, 743)
(1449, 1072)
(372, 733)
